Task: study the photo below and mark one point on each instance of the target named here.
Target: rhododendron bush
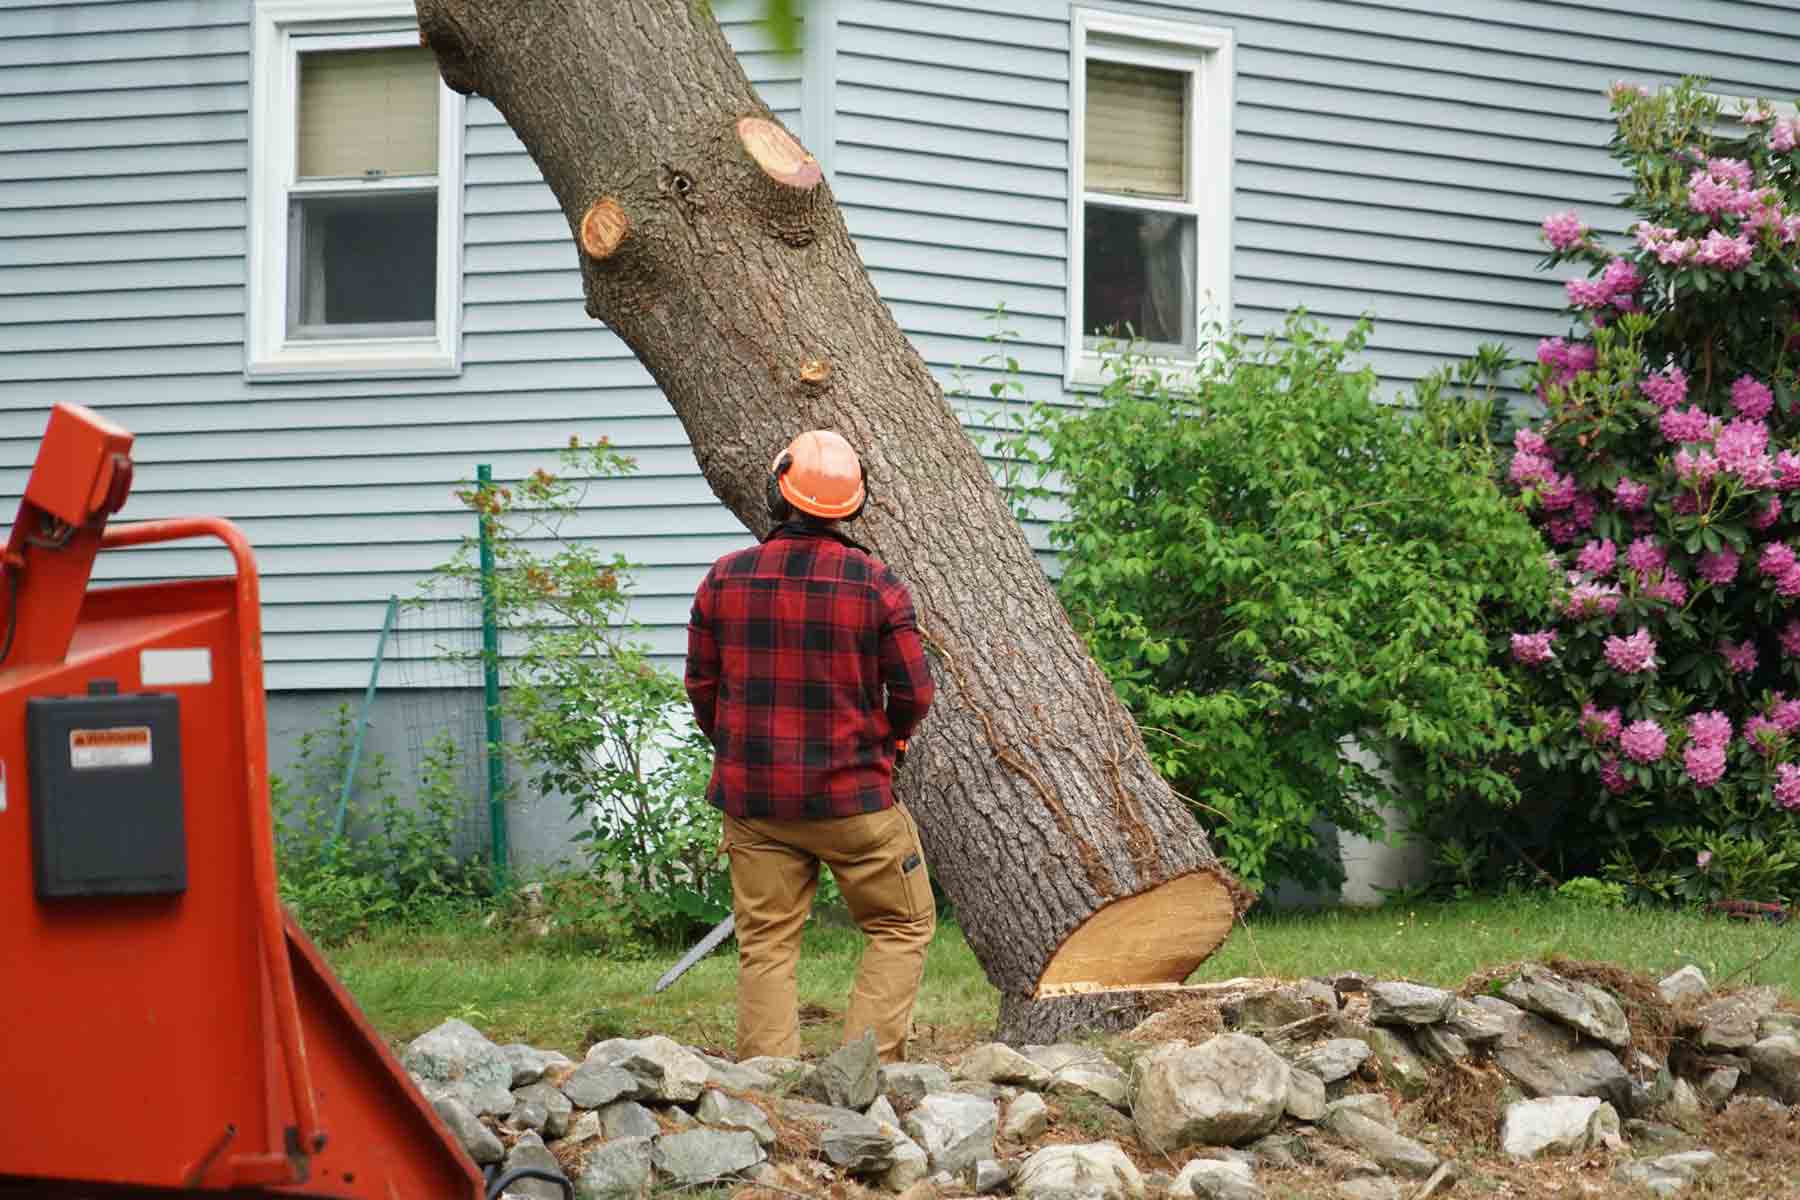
(1665, 472)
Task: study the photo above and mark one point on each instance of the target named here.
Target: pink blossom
(1621, 90)
(1776, 559)
(1733, 170)
(1587, 293)
(1790, 639)
(1643, 741)
(1558, 493)
(1584, 509)
(1621, 275)
(1589, 598)
(1529, 441)
(1720, 567)
(1563, 530)
(1580, 356)
(1787, 785)
(1787, 471)
(1528, 469)
(1685, 504)
(1703, 859)
(1648, 235)
(1725, 253)
(1630, 496)
(1678, 251)
(1600, 725)
(1598, 557)
(1614, 778)
(1740, 447)
(1751, 398)
(1785, 714)
(1783, 137)
(1709, 728)
(1740, 657)
(1705, 764)
(1760, 115)
(1564, 229)
(1770, 514)
(1631, 655)
(1764, 735)
(1670, 589)
(1666, 388)
(1709, 195)
(1690, 424)
(1787, 584)
(1645, 556)
(1695, 467)
(1533, 649)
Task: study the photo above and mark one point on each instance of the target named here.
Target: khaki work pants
(880, 868)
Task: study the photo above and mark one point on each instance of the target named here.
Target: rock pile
(1284, 1087)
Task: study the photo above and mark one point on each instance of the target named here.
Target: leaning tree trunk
(708, 241)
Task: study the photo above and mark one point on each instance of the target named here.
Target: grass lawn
(559, 994)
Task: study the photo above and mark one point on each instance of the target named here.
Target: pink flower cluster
(1590, 599)
(1751, 398)
(1740, 657)
(1665, 388)
(1533, 649)
(1719, 568)
(1787, 786)
(1629, 495)
(1564, 229)
(1691, 424)
(1742, 449)
(1569, 359)
(1600, 725)
(1631, 655)
(1616, 287)
(1784, 136)
(1598, 557)
(1704, 758)
(1661, 240)
(1643, 741)
(1613, 777)
(1725, 253)
(1777, 563)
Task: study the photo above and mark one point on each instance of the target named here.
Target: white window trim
(1206, 53)
(269, 353)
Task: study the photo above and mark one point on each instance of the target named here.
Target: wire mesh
(436, 673)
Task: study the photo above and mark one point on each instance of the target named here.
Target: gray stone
(1477, 1024)
(988, 1176)
(455, 1061)
(1076, 1070)
(480, 1141)
(1729, 1023)
(680, 1118)
(1557, 1124)
(595, 1085)
(1545, 1059)
(1370, 1104)
(617, 1170)
(666, 1072)
(728, 1112)
(1305, 1095)
(628, 1118)
(1669, 1174)
(911, 1082)
(1689, 983)
(1717, 1085)
(1580, 1006)
(530, 1151)
(911, 1164)
(1378, 1187)
(1684, 1107)
(1776, 1060)
(1778, 1022)
(1216, 1179)
(701, 1156)
(849, 1139)
(882, 1112)
(736, 1077)
(1272, 1008)
(1318, 991)
(953, 1130)
(983, 1089)
(1653, 1133)
(527, 1114)
(1095, 1171)
(551, 1102)
(584, 1128)
(1401, 1066)
(529, 1064)
(781, 1070)
(1441, 1045)
(1440, 1182)
(1226, 1091)
(1338, 1161)
(1026, 1118)
(1395, 1003)
(1390, 1148)
(996, 1062)
(1758, 1108)
(849, 1076)
(1282, 1151)
(1335, 1059)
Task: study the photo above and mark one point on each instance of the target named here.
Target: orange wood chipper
(165, 1027)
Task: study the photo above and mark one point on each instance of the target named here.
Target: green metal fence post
(490, 680)
(362, 722)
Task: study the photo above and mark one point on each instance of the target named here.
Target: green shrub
(1270, 563)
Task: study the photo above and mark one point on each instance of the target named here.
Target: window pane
(1138, 277)
(1136, 130)
(363, 260)
(368, 113)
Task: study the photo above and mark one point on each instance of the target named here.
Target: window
(1150, 203)
(356, 195)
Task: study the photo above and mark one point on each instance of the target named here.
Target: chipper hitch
(164, 1024)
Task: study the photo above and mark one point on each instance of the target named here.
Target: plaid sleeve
(702, 680)
(903, 666)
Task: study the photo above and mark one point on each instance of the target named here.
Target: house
(320, 287)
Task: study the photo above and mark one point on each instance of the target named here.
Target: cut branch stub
(603, 227)
(781, 157)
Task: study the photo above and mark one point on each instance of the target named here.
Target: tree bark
(709, 245)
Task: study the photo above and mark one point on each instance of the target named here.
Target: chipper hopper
(165, 1027)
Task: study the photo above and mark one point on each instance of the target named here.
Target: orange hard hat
(819, 473)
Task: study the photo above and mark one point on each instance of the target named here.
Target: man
(805, 669)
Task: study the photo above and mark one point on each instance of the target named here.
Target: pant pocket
(914, 875)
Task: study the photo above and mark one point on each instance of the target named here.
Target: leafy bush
(1664, 473)
(600, 724)
(394, 863)
(1272, 564)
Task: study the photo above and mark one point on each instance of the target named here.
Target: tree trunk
(709, 243)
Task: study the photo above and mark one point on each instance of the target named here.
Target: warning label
(125, 746)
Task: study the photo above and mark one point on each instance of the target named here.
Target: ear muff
(779, 508)
(865, 498)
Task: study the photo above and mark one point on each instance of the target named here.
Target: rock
(616, 1170)
(1669, 1174)
(1653, 1133)
(982, 1089)
(909, 1082)
(1440, 1183)
(1717, 1085)
(781, 1070)
(547, 1100)
(953, 1130)
(1776, 1060)
(1378, 1187)
(1305, 1095)
(1228, 1090)
(728, 1112)
(680, 1118)
(882, 1112)
(996, 1062)
(1395, 1003)
(1272, 1008)
(595, 1085)
(667, 1072)
(527, 1114)
(1370, 1104)
(584, 1128)
(1026, 1118)
(911, 1165)
(736, 1077)
(480, 1141)
(1391, 1149)
(628, 1118)
(701, 1156)
(1580, 1006)
(1689, 983)
(1095, 1171)
(1282, 1151)
(857, 1143)
(530, 1151)
(988, 1176)
(1729, 1023)
(1476, 1024)
(1778, 1022)
(1335, 1059)
(1545, 1059)
(1440, 1044)
(1076, 1070)
(849, 1077)
(1340, 1163)
(1757, 1108)
(1319, 991)
(1558, 1124)
(1683, 1106)
(1216, 1179)
(1401, 1066)
(454, 1060)
(528, 1064)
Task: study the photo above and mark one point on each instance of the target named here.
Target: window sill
(415, 357)
(1090, 372)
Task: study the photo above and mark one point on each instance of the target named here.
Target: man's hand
(899, 754)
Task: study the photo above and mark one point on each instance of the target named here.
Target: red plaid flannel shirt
(791, 644)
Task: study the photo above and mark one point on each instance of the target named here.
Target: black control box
(106, 799)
